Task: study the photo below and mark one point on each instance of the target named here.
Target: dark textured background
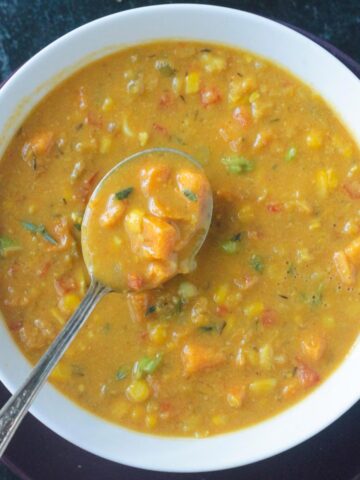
(26, 26)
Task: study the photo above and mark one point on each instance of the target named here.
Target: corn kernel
(143, 138)
(212, 63)
(187, 290)
(158, 333)
(254, 96)
(133, 220)
(126, 128)
(117, 241)
(60, 373)
(31, 209)
(314, 139)
(314, 225)
(263, 386)
(266, 356)
(253, 357)
(235, 396)
(328, 321)
(107, 104)
(177, 85)
(221, 294)
(254, 309)
(69, 303)
(303, 255)
(219, 420)
(138, 391)
(326, 181)
(192, 83)
(151, 420)
(105, 144)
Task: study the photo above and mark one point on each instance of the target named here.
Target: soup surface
(273, 305)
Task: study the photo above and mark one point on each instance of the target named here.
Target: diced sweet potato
(344, 267)
(139, 302)
(159, 236)
(153, 178)
(115, 210)
(62, 235)
(313, 347)
(158, 271)
(38, 146)
(306, 375)
(197, 358)
(64, 284)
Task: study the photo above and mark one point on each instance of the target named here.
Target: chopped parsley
(257, 263)
(122, 194)
(31, 227)
(190, 195)
(237, 164)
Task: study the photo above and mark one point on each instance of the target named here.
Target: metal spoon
(17, 406)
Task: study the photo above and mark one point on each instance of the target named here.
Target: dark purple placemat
(36, 453)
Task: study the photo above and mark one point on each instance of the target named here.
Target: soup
(272, 306)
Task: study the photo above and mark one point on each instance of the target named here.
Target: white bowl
(313, 65)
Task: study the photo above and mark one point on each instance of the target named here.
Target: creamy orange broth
(273, 305)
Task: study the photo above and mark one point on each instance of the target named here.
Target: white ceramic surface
(313, 65)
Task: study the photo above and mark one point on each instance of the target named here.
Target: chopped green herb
(314, 299)
(179, 304)
(77, 226)
(7, 245)
(213, 327)
(165, 68)
(147, 365)
(122, 373)
(151, 309)
(231, 246)
(290, 154)
(31, 227)
(190, 195)
(122, 194)
(237, 164)
(291, 270)
(257, 263)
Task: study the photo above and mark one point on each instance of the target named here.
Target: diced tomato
(209, 96)
(275, 207)
(62, 235)
(64, 284)
(353, 189)
(222, 310)
(94, 120)
(160, 128)
(242, 115)
(307, 376)
(14, 327)
(138, 303)
(196, 358)
(87, 187)
(135, 282)
(43, 270)
(268, 318)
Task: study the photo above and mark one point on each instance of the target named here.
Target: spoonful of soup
(144, 223)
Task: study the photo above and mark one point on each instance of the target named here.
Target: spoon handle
(16, 407)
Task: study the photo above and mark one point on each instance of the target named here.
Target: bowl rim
(201, 466)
